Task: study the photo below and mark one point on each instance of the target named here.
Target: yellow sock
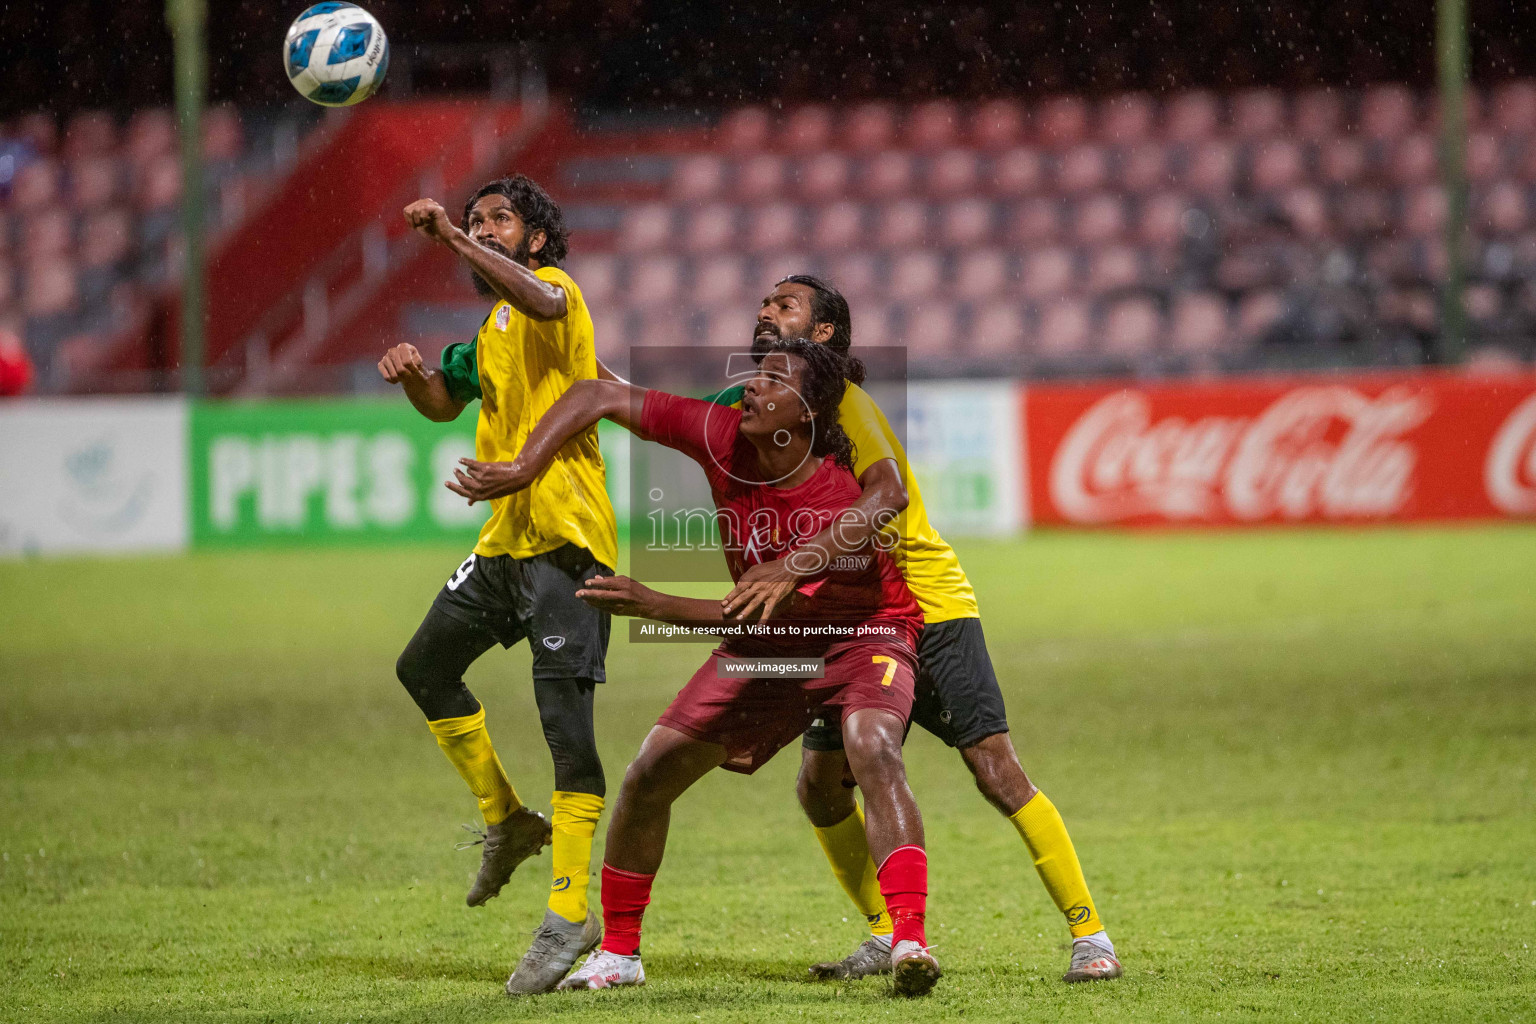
(847, 850)
(575, 823)
(468, 747)
(1040, 824)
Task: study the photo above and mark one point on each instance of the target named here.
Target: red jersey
(760, 522)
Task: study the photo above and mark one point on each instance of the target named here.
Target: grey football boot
(506, 845)
(557, 944)
(872, 957)
(1092, 963)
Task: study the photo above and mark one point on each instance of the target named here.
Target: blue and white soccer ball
(336, 54)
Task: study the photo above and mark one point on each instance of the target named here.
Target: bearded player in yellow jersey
(537, 548)
(958, 697)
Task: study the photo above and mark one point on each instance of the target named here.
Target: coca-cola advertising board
(1335, 449)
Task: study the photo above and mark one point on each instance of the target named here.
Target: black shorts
(535, 598)
(958, 699)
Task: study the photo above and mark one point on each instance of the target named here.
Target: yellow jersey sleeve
(872, 436)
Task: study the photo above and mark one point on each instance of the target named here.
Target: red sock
(625, 897)
(904, 884)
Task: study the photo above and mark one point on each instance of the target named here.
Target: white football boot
(605, 970)
(915, 969)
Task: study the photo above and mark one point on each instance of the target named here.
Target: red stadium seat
(774, 227)
(930, 329)
(875, 324)
(1065, 329)
(807, 129)
(50, 287)
(597, 275)
(1126, 119)
(1424, 211)
(778, 266)
(722, 281)
(1502, 209)
(760, 177)
(654, 281)
(1258, 114)
(887, 175)
(610, 337)
(1387, 112)
(93, 182)
(997, 329)
(1197, 323)
(1514, 107)
(997, 124)
(1306, 212)
(1278, 164)
(1018, 171)
(1144, 168)
(856, 275)
(645, 227)
(697, 178)
(159, 185)
(1131, 327)
(1033, 222)
(953, 172)
(35, 186)
(1083, 168)
(665, 326)
(712, 228)
(728, 327)
(837, 227)
(1099, 219)
(1061, 121)
(744, 130)
(824, 177)
(1161, 222)
(46, 233)
(902, 224)
(869, 127)
(1484, 161)
(1414, 158)
(1257, 312)
(1365, 212)
(40, 131)
(151, 134)
(1047, 273)
(1317, 114)
(966, 223)
(1211, 169)
(982, 274)
(223, 135)
(915, 276)
(1113, 268)
(91, 133)
(933, 125)
(1341, 160)
(1191, 116)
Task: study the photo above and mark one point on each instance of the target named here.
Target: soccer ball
(336, 54)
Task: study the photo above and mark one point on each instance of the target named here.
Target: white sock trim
(1100, 939)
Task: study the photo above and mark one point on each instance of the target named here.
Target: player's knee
(579, 770)
(642, 785)
(999, 776)
(823, 797)
(875, 752)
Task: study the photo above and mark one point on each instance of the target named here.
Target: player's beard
(764, 337)
(519, 256)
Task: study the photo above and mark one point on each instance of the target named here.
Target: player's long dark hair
(829, 307)
(535, 208)
(822, 386)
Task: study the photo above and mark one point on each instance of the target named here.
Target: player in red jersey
(779, 471)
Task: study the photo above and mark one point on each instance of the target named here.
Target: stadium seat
(966, 223)
(654, 281)
(1210, 169)
(1144, 168)
(1257, 313)
(1061, 122)
(1514, 107)
(933, 125)
(997, 329)
(159, 184)
(7, 287)
(1192, 116)
(1131, 327)
(1484, 159)
(712, 228)
(1317, 114)
(1277, 164)
(597, 275)
(744, 130)
(1099, 219)
(824, 177)
(887, 175)
(869, 127)
(223, 135)
(697, 178)
(915, 276)
(1306, 212)
(1161, 220)
(39, 131)
(807, 129)
(1083, 168)
(35, 186)
(1113, 268)
(760, 177)
(49, 288)
(837, 227)
(91, 133)
(1501, 209)
(728, 327)
(773, 227)
(46, 233)
(1047, 273)
(93, 182)
(857, 275)
(1126, 119)
(1387, 112)
(1033, 222)
(875, 324)
(953, 172)
(722, 281)
(1341, 161)
(982, 274)
(1424, 210)
(1366, 212)
(774, 268)
(1017, 171)
(1064, 329)
(1414, 158)
(930, 330)
(151, 134)
(645, 227)
(902, 224)
(610, 335)
(1197, 323)
(997, 124)
(664, 326)
(1258, 114)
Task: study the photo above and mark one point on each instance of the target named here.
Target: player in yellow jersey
(958, 698)
(536, 549)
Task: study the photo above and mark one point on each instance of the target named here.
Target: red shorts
(755, 718)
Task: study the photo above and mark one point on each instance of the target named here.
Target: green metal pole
(187, 19)
(1451, 56)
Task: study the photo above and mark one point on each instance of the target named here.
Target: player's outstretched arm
(512, 282)
(620, 595)
(583, 404)
(427, 389)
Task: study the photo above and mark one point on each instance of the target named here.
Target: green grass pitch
(1297, 767)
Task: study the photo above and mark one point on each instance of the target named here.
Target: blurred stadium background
(1172, 263)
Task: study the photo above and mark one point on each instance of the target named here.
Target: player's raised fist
(429, 217)
(401, 362)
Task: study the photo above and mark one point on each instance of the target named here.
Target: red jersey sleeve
(703, 431)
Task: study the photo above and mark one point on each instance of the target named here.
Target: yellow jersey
(518, 367)
(929, 564)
